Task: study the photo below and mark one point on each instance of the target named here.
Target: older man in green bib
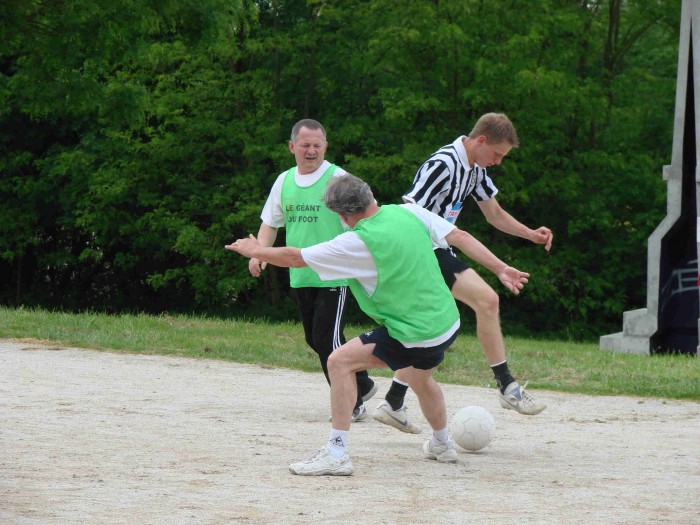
(387, 258)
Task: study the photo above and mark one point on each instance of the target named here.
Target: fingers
(233, 246)
(548, 244)
(514, 279)
(254, 267)
(547, 237)
(243, 247)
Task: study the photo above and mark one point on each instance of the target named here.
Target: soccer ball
(472, 428)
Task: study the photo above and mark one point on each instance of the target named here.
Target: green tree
(136, 138)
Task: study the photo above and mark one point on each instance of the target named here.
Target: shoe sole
(508, 406)
(449, 456)
(359, 418)
(440, 459)
(345, 471)
(369, 395)
(407, 427)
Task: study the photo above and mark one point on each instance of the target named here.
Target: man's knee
(490, 301)
(354, 356)
(336, 360)
(421, 381)
(470, 289)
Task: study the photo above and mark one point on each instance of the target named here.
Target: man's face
(309, 150)
(490, 153)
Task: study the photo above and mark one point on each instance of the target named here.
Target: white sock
(337, 445)
(440, 437)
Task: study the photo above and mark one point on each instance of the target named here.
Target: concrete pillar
(671, 319)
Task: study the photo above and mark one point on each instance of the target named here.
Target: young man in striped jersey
(418, 317)
(295, 202)
(441, 185)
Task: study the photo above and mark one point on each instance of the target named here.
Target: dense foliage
(137, 137)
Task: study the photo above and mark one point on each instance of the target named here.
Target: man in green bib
(296, 204)
(387, 258)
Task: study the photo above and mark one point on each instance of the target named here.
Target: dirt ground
(105, 438)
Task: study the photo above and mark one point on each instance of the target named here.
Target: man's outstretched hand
(246, 247)
(513, 279)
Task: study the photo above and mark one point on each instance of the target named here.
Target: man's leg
(323, 318)
(306, 299)
(344, 362)
(470, 289)
(342, 366)
(328, 334)
(432, 402)
(429, 393)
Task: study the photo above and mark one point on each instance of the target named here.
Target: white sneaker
(359, 414)
(395, 418)
(321, 463)
(517, 398)
(444, 453)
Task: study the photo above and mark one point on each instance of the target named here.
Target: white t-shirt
(272, 214)
(347, 257)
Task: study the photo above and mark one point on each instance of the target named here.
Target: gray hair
(348, 195)
(309, 124)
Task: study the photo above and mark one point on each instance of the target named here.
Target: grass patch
(551, 365)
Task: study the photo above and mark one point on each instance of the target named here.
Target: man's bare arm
(504, 221)
(285, 256)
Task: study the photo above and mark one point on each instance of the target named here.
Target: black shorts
(397, 356)
(450, 264)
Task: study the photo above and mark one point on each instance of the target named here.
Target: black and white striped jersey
(445, 179)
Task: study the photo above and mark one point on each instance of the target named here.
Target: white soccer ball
(472, 428)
